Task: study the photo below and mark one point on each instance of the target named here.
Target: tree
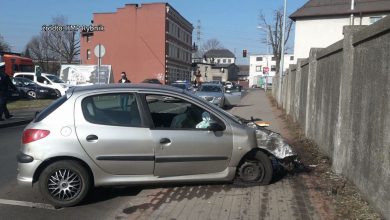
(4, 46)
(212, 44)
(209, 45)
(274, 34)
(38, 50)
(66, 44)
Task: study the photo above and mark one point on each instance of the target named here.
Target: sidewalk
(20, 117)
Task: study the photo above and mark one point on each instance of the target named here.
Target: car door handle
(165, 141)
(92, 138)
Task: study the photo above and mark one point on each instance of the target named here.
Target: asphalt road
(101, 204)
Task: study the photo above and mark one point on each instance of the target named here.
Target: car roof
(133, 86)
(31, 73)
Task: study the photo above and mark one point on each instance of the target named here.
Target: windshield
(210, 88)
(54, 79)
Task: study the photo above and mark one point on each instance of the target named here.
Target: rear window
(49, 109)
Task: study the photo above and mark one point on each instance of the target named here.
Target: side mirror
(215, 127)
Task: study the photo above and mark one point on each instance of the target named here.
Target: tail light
(31, 135)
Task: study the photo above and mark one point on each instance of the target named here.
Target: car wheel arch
(52, 160)
(252, 153)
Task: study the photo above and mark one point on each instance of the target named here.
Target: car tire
(31, 94)
(64, 183)
(257, 170)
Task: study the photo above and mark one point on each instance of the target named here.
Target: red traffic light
(244, 53)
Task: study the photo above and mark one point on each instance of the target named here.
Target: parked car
(29, 89)
(46, 80)
(183, 85)
(153, 81)
(162, 135)
(213, 93)
(14, 95)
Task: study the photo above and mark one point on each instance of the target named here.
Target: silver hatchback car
(133, 134)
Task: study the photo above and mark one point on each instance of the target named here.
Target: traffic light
(38, 71)
(244, 53)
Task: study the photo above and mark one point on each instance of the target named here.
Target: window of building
(259, 58)
(291, 57)
(258, 68)
(224, 61)
(273, 58)
(88, 54)
(119, 109)
(374, 19)
(218, 60)
(178, 53)
(88, 38)
(229, 60)
(273, 68)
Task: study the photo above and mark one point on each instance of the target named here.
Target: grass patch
(29, 104)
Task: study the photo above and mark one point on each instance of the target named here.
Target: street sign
(266, 69)
(99, 51)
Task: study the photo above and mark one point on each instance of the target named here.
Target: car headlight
(43, 90)
(64, 86)
(218, 98)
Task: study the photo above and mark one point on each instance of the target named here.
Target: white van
(47, 80)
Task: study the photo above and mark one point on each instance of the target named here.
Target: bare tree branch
(4, 46)
(274, 33)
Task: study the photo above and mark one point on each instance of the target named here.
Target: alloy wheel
(64, 184)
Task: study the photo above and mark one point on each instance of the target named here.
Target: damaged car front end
(272, 142)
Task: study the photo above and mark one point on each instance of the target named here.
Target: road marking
(27, 204)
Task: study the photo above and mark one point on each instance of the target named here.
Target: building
(145, 41)
(217, 64)
(319, 23)
(258, 64)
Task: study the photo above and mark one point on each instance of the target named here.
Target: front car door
(110, 129)
(183, 144)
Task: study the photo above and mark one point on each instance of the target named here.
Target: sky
(233, 22)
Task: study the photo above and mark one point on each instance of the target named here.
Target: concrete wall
(340, 96)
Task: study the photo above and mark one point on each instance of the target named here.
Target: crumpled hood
(273, 143)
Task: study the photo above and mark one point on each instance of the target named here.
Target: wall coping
(333, 48)
(304, 62)
(375, 30)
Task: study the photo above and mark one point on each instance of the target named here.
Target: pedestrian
(5, 87)
(124, 99)
(124, 78)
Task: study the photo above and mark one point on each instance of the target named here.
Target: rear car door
(183, 144)
(110, 129)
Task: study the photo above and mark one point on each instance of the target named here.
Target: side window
(173, 113)
(118, 109)
(28, 77)
(42, 79)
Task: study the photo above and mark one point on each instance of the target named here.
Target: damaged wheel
(256, 170)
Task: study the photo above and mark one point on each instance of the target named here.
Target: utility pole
(282, 53)
(198, 33)
(352, 21)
